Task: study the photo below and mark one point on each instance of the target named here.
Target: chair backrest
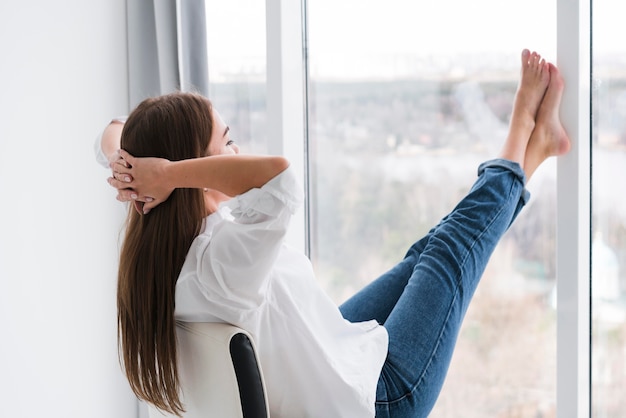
(219, 372)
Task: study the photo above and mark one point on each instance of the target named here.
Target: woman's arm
(151, 180)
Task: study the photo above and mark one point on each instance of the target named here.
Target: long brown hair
(176, 126)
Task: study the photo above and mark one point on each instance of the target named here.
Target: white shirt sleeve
(97, 146)
(242, 252)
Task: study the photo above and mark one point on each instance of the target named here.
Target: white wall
(63, 74)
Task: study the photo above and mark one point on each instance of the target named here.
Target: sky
(364, 37)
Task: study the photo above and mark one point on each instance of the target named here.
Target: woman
(205, 243)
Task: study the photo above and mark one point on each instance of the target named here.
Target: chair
(219, 372)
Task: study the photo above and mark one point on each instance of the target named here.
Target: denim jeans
(423, 299)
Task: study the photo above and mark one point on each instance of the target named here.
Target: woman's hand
(141, 180)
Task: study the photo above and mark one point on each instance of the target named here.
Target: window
(404, 100)
(403, 107)
(609, 212)
(237, 68)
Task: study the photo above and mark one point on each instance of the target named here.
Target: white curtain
(167, 48)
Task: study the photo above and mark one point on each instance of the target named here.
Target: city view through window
(608, 273)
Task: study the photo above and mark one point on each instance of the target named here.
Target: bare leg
(534, 80)
(549, 137)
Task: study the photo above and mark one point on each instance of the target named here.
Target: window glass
(237, 65)
(405, 100)
(609, 211)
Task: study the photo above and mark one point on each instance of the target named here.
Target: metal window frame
(574, 213)
(286, 93)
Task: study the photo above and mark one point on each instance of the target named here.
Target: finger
(140, 198)
(121, 163)
(119, 185)
(123, 177)
(127, 157)
(120, 166)
(126, 195)
(121, 160)
(130, 194)
(149, 205)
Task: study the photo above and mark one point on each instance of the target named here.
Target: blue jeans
(423, 299)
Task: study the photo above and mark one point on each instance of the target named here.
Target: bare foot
(549, 138)
(534, 80)
(535, 76)
(555, 139)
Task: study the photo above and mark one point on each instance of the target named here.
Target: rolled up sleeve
(242, 251)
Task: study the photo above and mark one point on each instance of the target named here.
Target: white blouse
(240, 271)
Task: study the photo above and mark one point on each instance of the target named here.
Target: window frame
(286, 106)
(574, 213)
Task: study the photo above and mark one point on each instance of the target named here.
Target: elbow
(280, 164)
(272, 167)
